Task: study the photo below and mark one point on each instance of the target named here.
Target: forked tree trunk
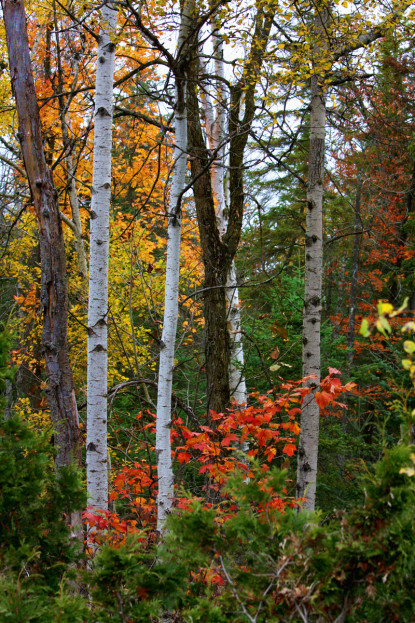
(214, 253)
(219, 247)
(53, 298)
(310, 413)
(96, 450)
(216, 131)
(171, 296)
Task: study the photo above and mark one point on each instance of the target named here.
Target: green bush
(289, 566)
(37, 555)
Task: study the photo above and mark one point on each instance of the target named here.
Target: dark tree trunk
(53, 298)
(218, 252)
(215, 260)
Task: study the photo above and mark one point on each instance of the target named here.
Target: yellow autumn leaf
(384, 308)
(409, 347)
(409, 471)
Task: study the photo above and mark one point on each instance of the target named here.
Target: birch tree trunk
(310, 413)
(171, 297)
(96, 450)
(54, 294)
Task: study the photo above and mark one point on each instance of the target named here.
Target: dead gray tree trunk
(53, 298)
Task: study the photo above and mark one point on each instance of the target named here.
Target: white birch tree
(325, 54)
(96, 450)
(310, 413)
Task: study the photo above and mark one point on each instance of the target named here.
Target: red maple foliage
(265, 432)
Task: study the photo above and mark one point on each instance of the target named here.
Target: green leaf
(364, 328)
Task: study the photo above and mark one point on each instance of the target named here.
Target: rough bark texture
(216, 131)
(171, 297)
(60, 390)
(217, 347)
(96, 450)
(310, 414)
(218, 246)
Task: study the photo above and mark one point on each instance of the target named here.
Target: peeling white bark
(236, 366)
(310, 413)
(171, 297)
(96, 451)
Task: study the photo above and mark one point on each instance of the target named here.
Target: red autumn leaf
(207, 429)
(187, 434)
(183, 457)
(323, 399)
(275, 353)
(289, 449)
(226, 442)
(335, 385)
(334, 371)
(270, 453)
(294, 428)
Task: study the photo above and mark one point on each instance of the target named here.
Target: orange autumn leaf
(289, 449)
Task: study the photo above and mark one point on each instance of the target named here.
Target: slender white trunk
(236, 365)
(216, 132)
(171, 297)
(76, 220)
(96, 451)
(76, 224)
(310, 414)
